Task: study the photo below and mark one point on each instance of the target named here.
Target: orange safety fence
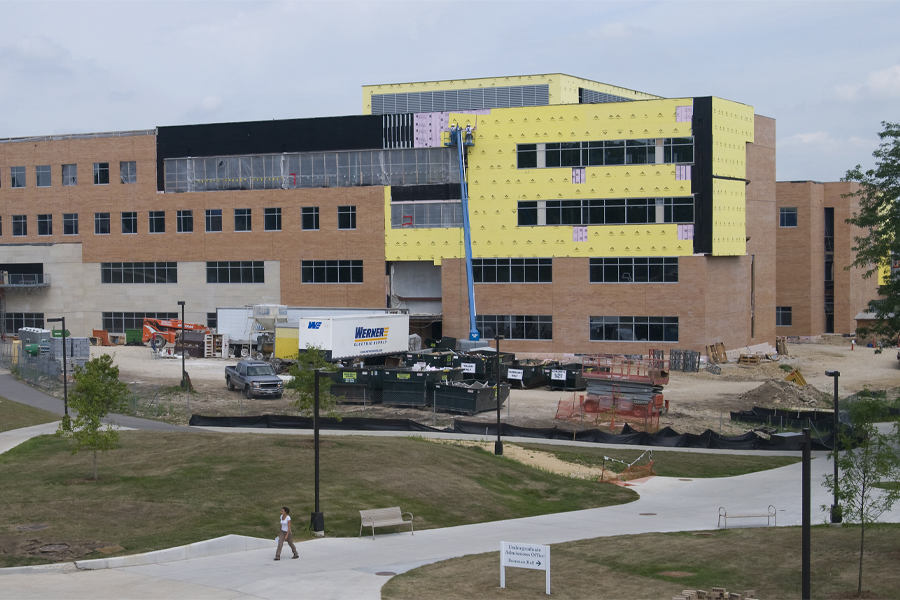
(610, 410)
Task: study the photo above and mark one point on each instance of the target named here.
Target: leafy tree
(879, 217)
(303, 384)
(865, 458)
(96, 393)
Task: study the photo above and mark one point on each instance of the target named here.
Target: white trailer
(238, 321)
(355, 335)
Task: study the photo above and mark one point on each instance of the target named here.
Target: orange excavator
(159, 332)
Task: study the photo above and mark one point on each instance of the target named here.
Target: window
(17, 177)
(101, 223)
(346, 217)
(655, 269)
(604, 153)
(212, 320)
(139, 272)
(20, 225)
(512, 270)
(272, 219)
(16, 321)
(213, 220)
(119, 322)
(45, 224)
(606, 211)
(101, 173)
(70, 224)
(157, 221)
(331, 271)
(678, 150)
(128, 171)
(70, 174)
(783, 316)
(310, 218)
(526, 155)
(242, 219)
(1, 226)
(236, 271)
(515, 327)
(184, 221)
(129, 222)
(788, 217)
(426, 214)
(42, 174)
(634, 329)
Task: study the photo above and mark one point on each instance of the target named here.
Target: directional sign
(514, 374)
(558, 375)
(524, 556)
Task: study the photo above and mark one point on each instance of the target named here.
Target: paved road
(345, 568)
(15, 390)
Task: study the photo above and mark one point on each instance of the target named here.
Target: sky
(828, 72)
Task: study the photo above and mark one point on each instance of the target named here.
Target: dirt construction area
(697, 401)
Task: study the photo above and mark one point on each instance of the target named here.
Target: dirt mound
(784, 393)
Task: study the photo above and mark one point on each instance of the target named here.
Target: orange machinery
(162, 331)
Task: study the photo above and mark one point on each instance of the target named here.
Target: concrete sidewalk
(345, 568)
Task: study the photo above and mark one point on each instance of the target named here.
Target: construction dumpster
(357, 386)
(567, 377)
(405, 387)
(480, 364)
(134, 337)
(529, 373)
(468, 396)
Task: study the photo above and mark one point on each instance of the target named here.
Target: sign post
(524, 556)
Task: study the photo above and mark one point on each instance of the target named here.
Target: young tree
(879, 217)
(303, 384)
(96, 393)
(865, 458)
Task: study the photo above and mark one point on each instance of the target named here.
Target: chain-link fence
(42, 371)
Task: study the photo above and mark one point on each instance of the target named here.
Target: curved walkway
(346, 567)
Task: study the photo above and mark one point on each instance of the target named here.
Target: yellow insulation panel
(732, 129)
(496, 185)
(729, 218)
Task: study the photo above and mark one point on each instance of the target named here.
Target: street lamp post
(836, 514)
(65, 373)
(317, 519)
(498, 445)
(183, 382)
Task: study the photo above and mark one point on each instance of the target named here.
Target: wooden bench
(768, 515)
(383, 517)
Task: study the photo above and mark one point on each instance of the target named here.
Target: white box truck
(355, 335)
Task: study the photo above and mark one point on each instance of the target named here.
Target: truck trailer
(354, 336)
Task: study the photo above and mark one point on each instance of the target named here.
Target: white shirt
(284, 522)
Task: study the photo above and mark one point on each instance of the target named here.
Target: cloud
(883, 84)
(824, 141)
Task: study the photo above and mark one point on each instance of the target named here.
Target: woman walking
(285, 533)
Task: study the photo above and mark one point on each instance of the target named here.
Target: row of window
(603, 329)
(69, 173)
(511, 327)
(656, 269)
(609, 211)
(184, 221)
(412, 166)
(246, 271)
(606, 153)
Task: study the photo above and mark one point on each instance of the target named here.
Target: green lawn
(670, 463)
(159, 490)
(766, 560)
(14, 415)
